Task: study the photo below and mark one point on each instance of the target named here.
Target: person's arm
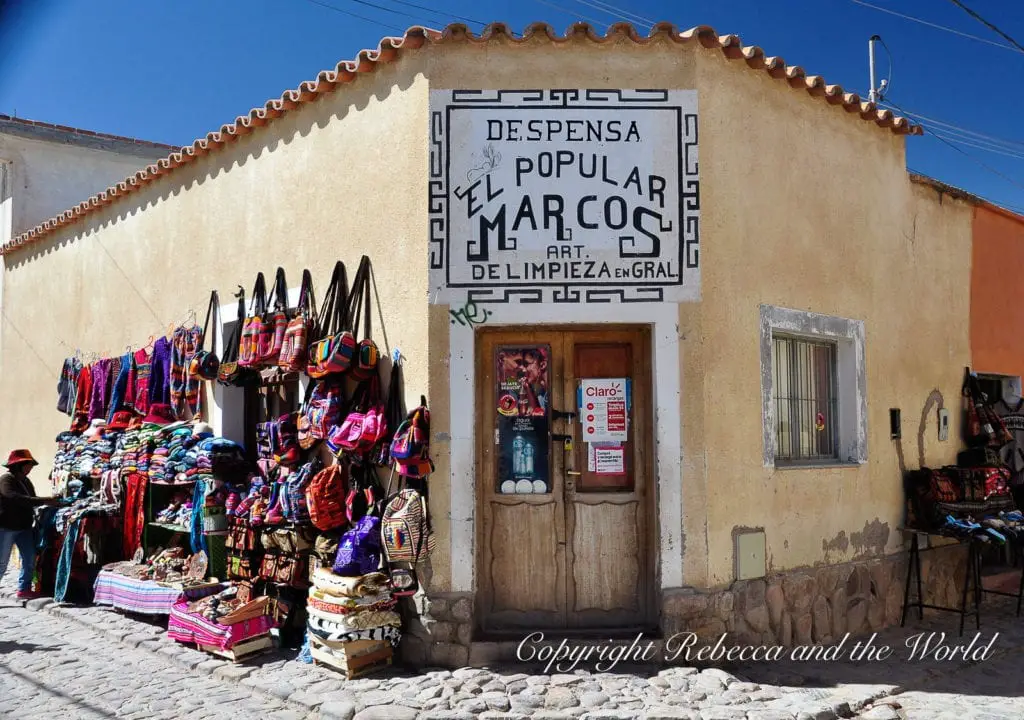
(9, 490)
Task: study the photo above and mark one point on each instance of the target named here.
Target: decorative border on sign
(438, 184)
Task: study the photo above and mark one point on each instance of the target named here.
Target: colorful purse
(206, 365)
(328, 354)
(365, 424)
(248, 349)
(273, 325)
(363, 365)
(300, 328)
(325, 407)
(230, 373)
(359, 550)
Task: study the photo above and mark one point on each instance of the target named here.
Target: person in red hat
(17, 503)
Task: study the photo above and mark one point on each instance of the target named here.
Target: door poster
(605, 404)
(523, 406)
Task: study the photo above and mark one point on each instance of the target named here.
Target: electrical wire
(963, 152)
(1009, 144)
(442, 13)
(987, 24)
(395, 28)
(618, 13)
(937, 26)
(573, 13)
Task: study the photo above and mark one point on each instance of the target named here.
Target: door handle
(562, 415)
(574, 473)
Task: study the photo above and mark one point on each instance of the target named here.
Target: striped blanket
(187, 627)
(141, 596)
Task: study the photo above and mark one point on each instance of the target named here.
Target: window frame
(796, 417)
(850, 382)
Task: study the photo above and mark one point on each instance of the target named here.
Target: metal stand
(972, 579)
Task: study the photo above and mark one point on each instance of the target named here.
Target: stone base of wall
(816, 605)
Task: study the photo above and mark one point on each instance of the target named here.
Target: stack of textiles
(353, 626)
(225, 624)
(65, 462)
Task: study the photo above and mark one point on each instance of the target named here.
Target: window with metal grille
(805, 400)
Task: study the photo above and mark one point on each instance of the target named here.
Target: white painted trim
(664, 317)
(851, 376)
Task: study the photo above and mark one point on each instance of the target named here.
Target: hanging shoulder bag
(230, 372)
(248, 349)
(393, 414)
(205, 364)
(300, 329)
(366, 357)
(336, 343)
(365, 424)
(274, 324)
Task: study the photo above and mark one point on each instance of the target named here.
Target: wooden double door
(566, 498)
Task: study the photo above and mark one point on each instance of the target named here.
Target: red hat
(160, 414)
(121, 420)
(20, 457)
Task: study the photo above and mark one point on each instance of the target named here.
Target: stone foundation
(815, 605)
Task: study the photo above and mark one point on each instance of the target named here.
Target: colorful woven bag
(300, 328)
(248, 349)
(273, 325)
(325, 498)
(366, 357)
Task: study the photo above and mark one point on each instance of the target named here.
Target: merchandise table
(145, 597)
(972, 578)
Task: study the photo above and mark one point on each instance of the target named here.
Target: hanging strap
(359, 302)
(307, 301)
(259, 297)
(211, 312)
(233, 341)
(280, 291)
(332, 313)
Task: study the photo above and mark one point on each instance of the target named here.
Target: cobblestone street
(68, 663)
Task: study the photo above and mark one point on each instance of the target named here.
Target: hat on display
(202, 430)
(121, 420)
(96, 428)
(160, 414)
(20, 457)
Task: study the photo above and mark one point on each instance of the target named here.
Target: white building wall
(46, 178)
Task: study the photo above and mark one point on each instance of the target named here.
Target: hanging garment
(134, 513)
(160, 373)
(139, 381)
(1013, 452)
(60, 588)
(184, 387)
(120, 386)
(83, 392)
(101, 380)
(67, 385)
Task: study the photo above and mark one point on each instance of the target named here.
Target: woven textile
(187, 627)
(184, 388)
(140, 596)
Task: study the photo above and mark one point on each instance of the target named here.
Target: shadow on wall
(934, 399)
(380, 85)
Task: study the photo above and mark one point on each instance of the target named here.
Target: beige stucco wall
(805, 207)
(332, 180)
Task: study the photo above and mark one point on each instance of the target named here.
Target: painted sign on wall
(567, 196)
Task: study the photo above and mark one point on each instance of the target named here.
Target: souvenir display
(291, 540)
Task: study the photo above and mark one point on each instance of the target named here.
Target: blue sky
(172, 70)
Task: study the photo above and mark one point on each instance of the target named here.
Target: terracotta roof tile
(389, 50)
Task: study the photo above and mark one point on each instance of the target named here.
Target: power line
(573, 13)
(937, 26)
(357, 16)
(618, 13)
(1010, 144)
(987, 24)
(963, 152)
(441, 13)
